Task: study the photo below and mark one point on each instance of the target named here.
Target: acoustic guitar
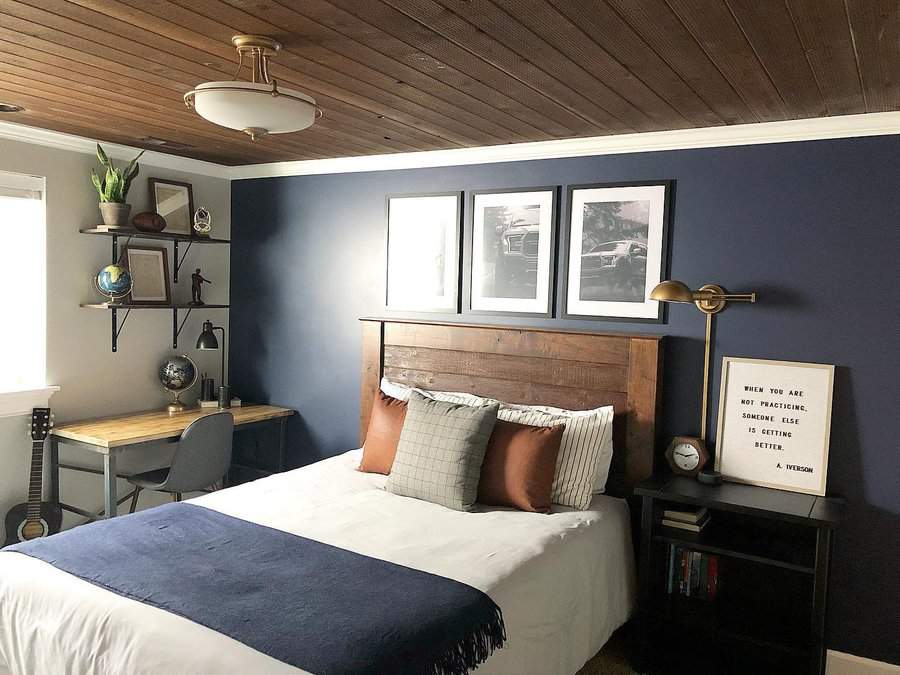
(35, 518)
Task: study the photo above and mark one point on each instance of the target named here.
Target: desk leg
(54, 471)
(282, 443)
(109, 485)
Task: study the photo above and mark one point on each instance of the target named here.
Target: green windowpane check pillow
(441, 451)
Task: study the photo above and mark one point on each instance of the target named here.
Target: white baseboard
(839, 663)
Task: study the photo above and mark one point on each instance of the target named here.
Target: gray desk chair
(202, 458)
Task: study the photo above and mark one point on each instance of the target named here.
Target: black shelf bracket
(178, 262)
(176, 327)
(117, 327)
(115, 248)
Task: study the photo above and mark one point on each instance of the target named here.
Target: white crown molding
(846, 126)
(61, 141)
(820, 128)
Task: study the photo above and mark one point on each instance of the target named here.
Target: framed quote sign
(774, 423)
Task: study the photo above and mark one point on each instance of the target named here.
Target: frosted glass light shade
(247, 105)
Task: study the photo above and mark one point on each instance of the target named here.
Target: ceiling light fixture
(260, 107)
(10, 108)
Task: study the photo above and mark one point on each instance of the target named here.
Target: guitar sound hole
(34, 529)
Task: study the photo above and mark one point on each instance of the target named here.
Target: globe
(177, 374)
(114, 281)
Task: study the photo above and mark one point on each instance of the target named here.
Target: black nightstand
(765, 610)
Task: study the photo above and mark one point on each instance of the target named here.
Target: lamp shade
(207, 339)
(250, 105)
(672, 291)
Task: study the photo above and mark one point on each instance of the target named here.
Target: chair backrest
(203, 455)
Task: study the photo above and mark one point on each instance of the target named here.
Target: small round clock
(687, 455)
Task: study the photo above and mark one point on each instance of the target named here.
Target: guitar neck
(36, 481)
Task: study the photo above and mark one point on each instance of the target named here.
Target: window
(23, 342)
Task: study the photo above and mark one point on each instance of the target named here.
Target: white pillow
(585, 452)
(402, 392)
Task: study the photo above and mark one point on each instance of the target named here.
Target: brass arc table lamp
(709, 299)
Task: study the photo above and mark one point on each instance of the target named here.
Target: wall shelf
(114, 307)
(156, 236)
(163, 236)
(117, 327)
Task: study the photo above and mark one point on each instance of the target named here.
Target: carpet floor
(612, 659)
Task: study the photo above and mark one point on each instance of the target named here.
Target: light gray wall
(94, 381)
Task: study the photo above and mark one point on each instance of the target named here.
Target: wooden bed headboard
(566, 369)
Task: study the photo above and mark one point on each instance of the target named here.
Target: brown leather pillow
(383, 434)
(519, 465)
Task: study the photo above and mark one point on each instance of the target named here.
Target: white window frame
(21, 401)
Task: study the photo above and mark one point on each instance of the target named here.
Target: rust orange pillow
(519, 465)
(383, 434)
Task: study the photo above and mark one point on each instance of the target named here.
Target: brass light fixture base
(255, 133)
(245, 43)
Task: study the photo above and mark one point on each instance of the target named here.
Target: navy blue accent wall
(813, 227)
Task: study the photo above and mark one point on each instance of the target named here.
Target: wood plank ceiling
(406, 75)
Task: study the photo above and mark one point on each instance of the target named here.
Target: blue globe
(114, 281)
(177, 373)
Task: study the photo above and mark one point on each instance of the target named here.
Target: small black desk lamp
(208, 341)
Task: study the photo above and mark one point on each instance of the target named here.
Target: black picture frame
(153, 183)
(469, 245)
(565, 245)
(457, 248)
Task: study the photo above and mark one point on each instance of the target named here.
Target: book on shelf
(690, 527)
(686, 515)
(692, 573)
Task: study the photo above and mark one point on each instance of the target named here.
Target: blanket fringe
(474, 650)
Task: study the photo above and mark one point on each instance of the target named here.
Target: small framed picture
(149, 268)
(510, 259)
(423, 252)
(616, 250)
(174, 201)
(775, 423)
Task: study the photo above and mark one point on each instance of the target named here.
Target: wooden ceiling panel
(875, 26)
(408, 75)
(824, 29)
(769, 29)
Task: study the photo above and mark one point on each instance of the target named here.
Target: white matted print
(149, 270)
(616, 251)
(423, 253)
(512, 251)
(775, 423)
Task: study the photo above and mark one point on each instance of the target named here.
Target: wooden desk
(110, 436)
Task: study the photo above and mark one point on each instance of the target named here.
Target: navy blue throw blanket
(314, 606)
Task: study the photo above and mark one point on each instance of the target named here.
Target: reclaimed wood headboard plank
(567, 369)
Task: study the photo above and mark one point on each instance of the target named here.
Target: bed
(564, 581)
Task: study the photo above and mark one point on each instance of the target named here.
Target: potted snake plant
(113, 189)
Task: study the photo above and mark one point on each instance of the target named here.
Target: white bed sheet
(564, 581)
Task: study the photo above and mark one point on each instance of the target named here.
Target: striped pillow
(582, 461)
(402, 392)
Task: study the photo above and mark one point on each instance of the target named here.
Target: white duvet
(564, 581)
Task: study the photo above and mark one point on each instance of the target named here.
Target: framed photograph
(616, 250)
(423, 252)
(509, 262)
(149, 267)
(174, 201)
(775, 423)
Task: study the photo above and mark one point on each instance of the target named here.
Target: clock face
(685, 457)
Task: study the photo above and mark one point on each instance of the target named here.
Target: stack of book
(692, 574)
(692, 520)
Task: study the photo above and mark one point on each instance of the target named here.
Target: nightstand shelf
(741, 541)
(771, 551)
